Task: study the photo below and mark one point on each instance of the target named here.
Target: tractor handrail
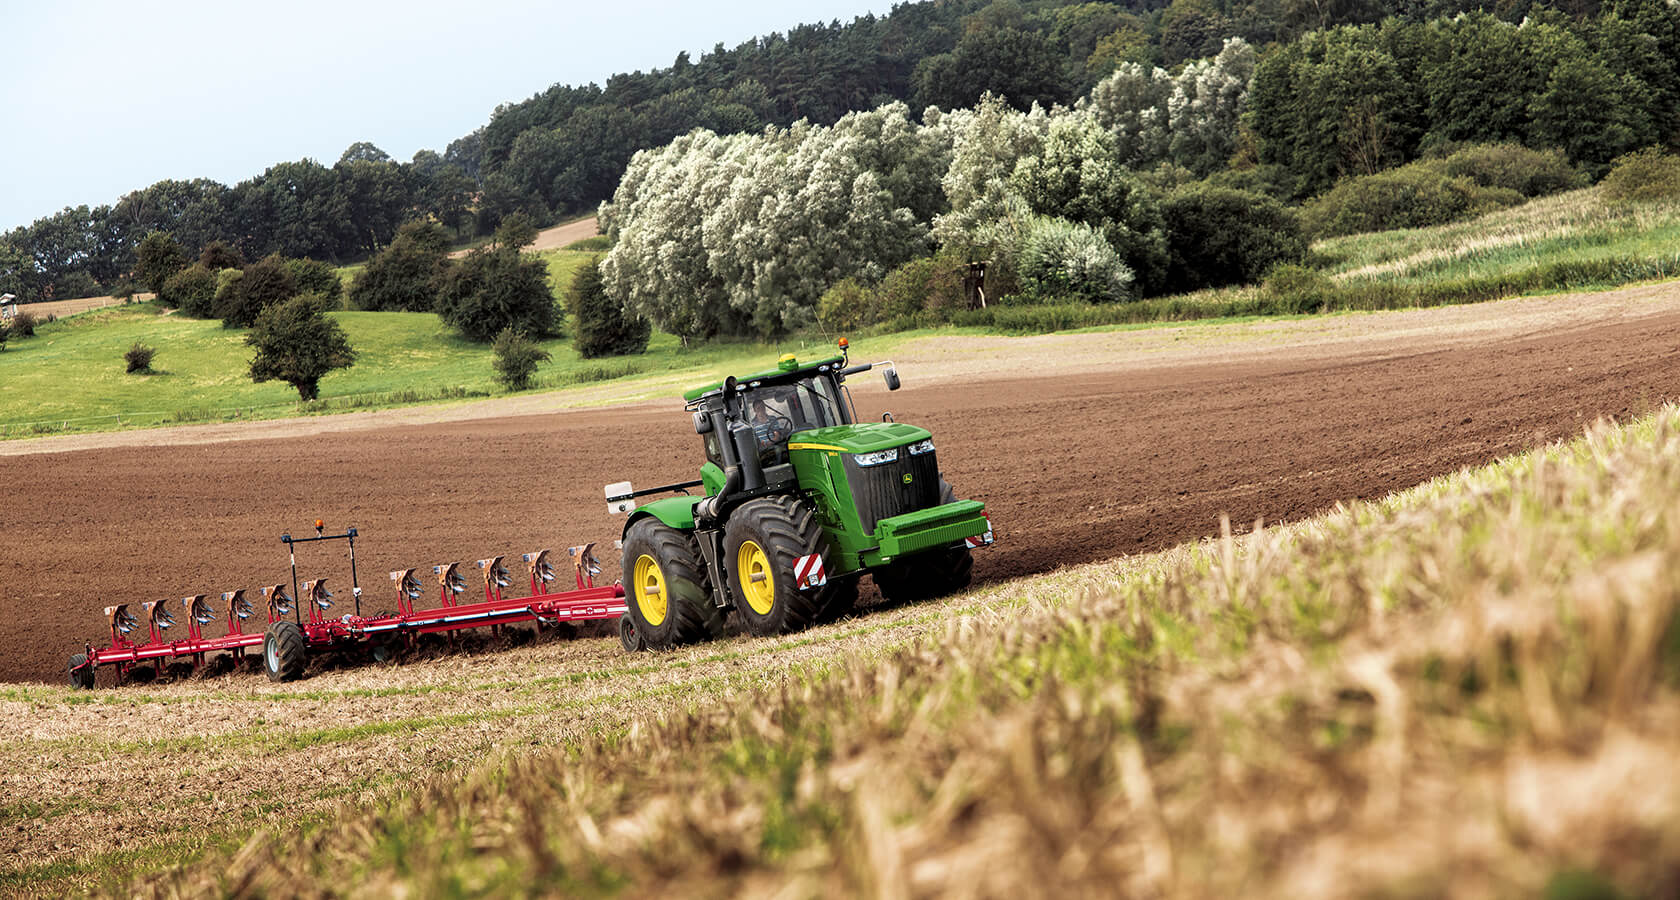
(680, 486)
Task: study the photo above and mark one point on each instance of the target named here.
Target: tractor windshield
(777, 411)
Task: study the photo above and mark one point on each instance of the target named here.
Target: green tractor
(801, 500)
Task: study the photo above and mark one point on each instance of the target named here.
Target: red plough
(290, 636)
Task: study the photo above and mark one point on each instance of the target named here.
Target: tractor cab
(755, 417)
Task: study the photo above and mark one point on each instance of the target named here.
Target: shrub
(23, 324)
(1412, 196)
(1531, 173)
(846, 306)
(1298, 289)
(1643, 176)
(516, 358)
(310, 276)
(191, 290)
(1071, 259)
(932, 283)
(598, 242)
(1218, 236)
(604, 328)
(491, 290)
(139, 359)
(5, 335)
(220, 255)
(263, 283)
(407, 274)
(296, 343)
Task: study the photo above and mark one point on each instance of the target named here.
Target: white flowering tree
(1190, 119)
(743, 234)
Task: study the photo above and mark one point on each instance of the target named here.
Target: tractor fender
(677, 512)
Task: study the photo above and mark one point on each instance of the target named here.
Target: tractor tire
(761, 543)
(931, 574)
(284, 652)
(665, 587)
(628, 637)
(81, 674)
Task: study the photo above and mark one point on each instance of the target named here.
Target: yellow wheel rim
(649, 585)
(758, 584)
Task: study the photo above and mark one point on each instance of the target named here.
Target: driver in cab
(769, 427)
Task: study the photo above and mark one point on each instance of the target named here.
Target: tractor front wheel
(283, 652)
(762, 542)
(665, 587)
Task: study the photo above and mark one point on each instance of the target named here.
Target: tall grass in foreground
(1468, 688)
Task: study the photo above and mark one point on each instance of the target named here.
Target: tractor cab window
(776, 412)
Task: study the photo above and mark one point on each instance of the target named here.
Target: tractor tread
(786, 529)
(691, 617)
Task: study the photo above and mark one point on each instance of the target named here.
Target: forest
(1280, 101)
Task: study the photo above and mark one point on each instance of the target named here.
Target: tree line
(564, 149)
(1156, 181)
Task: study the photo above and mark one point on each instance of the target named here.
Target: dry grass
(1546, 229)
(1467, 689)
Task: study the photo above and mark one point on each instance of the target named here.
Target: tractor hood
(863, 438)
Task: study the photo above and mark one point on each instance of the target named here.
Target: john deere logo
(906, 477)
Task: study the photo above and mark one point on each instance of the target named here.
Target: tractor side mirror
(702, 423)
(891, 377)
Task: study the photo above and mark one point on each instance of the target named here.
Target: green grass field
(1471, 686)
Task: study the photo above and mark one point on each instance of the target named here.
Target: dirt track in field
(1139, 441)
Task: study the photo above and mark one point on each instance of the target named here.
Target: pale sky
(100, 98)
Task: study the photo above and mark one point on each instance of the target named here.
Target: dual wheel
(669, 591)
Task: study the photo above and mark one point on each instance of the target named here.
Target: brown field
(1141, 440)
(1085, 447)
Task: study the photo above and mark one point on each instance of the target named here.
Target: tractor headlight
(921, 447)
(877, 458)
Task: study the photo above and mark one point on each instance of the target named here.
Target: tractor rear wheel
(761, 543)
(283, 651)
(81, 674)
(665, 587)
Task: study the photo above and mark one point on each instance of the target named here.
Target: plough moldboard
(290, 634)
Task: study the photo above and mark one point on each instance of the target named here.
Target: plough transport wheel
(283, 652)
(627, 634)
(81, 674)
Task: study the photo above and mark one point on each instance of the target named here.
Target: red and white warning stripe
(808, 571)
(980, 540)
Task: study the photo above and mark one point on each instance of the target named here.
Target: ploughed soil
(1145, 442)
